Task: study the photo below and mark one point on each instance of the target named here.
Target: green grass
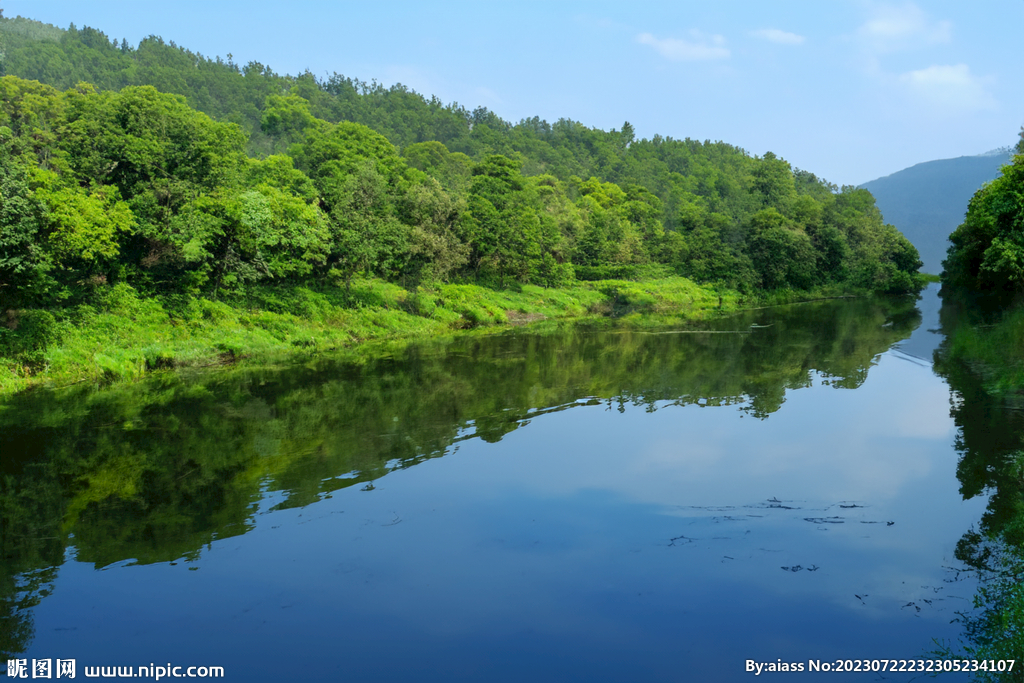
(123, 336)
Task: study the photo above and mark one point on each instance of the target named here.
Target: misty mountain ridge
(927, 201)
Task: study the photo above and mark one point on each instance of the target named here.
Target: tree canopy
(987, 250)
(176, 173)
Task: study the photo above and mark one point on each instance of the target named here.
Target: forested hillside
(752, 221)
(181, 177)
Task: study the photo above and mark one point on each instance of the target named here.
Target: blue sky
(849, 89)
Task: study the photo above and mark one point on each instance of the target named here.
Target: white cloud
(951, 88)
(901, 27)
(699, 48)
(781, 37)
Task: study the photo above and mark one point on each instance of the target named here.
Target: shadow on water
(159, 470)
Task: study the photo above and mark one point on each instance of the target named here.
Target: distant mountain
(928, 201)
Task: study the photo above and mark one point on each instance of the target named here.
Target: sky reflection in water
(617, 541)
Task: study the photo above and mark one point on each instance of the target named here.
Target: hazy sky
(849, 89)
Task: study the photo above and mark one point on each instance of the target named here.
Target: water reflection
(663, 500)
(990, 444)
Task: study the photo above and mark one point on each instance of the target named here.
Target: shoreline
(126, 337)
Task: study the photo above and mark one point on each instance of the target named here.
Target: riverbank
(124, 336)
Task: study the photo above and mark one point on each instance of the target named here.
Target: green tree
(782, 255)
(987, 252)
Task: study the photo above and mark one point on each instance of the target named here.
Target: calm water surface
(562, 504)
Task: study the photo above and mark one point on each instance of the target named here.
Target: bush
(27, 334)
(121, 298)
(612, 272)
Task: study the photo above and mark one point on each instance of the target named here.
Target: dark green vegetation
(983, 360)
(927, 201)
(176, 192)
(156, 470)
(987, 252)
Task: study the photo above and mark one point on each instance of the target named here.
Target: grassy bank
(122, 336)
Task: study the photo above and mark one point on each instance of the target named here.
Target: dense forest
(184, 178)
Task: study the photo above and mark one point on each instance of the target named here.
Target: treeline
(295, 178)
(986, 255)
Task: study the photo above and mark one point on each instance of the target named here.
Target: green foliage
(987, 252)
(25, 263)
(453, 170)
(702, 255)
(29, 108)
(123, 333)
(783, 258)
(637, 193)
(82, 226)
(508, 230)
(330, 154)
(287, 117)
(169, 175)
(27, 334)
(435, 251)
(773, 183)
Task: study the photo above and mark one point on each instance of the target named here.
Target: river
(552, 503)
